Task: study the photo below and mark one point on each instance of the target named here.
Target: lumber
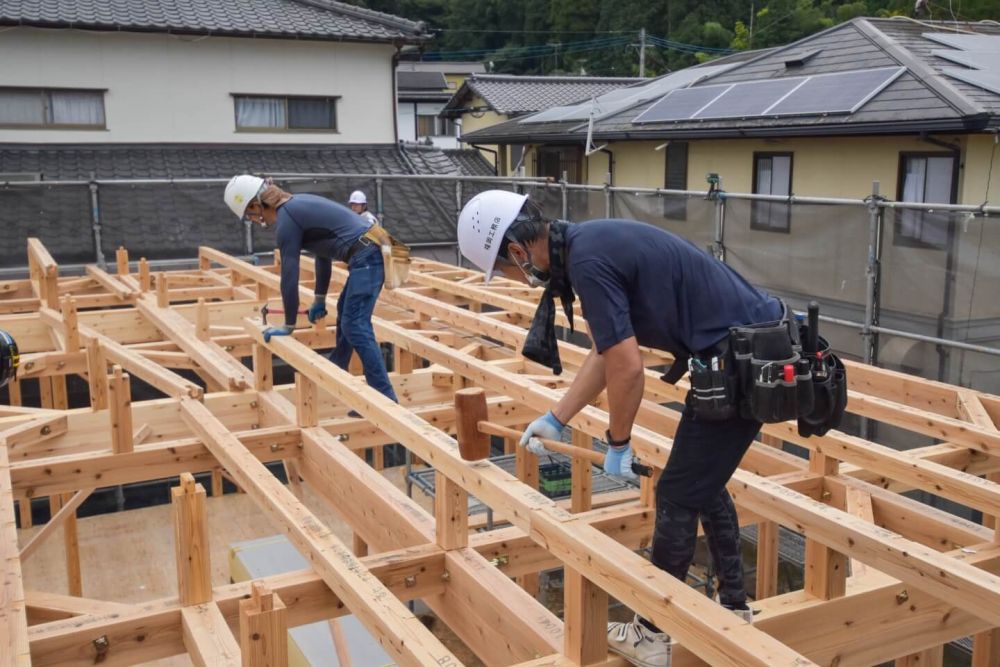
(194, 569)
(263, 629)
(14, 649)
(108, 282)
(68, 509)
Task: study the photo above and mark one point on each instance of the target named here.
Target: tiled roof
(921, 99)
(510, 94)
(420, 80)
(167, 221)
(295, 19)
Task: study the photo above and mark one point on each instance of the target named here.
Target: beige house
(484, 100)
(913, 105)
(422, 89)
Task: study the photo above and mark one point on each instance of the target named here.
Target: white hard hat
(483, 222)
(240, 191)
(358, 197)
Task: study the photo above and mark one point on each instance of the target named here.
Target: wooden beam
(194, 569)
(263, 629)
(66, 510)
(22, 438)
(403, 635)
(207, 637)
(108, 282)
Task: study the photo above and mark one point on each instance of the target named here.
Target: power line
(539, 49)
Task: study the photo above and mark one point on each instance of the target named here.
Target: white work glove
(546, 426)
(618, 462)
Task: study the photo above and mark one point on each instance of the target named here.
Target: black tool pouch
(776, 382)
(714, 394)
(829, 384)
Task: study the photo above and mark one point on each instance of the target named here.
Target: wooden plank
(986, 649)
(97, 372)
(263, 629)
(201, 325)
(21, 438)
(194, 569)
(582, 475)
(66, 510)
(451, 509)
(263, 371)
(207, 637)
(403, 635)
(859, 504)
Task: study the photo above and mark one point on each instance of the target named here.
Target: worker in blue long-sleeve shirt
(331, 232)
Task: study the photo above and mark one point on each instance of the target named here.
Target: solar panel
(981, 79)
(749, 99)
(843, 92)
(680, 104)
(980, 53)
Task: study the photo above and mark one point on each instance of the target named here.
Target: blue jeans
(354, 319)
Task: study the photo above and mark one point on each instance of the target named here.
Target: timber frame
(886, 577)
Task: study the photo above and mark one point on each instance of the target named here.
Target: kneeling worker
(639, 285)
(331, 232)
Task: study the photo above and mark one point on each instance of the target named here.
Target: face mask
(535, 277)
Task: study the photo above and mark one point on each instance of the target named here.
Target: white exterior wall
(177, 89)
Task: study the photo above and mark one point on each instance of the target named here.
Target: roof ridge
(366, 14)
(556, 77)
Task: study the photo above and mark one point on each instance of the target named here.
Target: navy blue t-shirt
(634, 279)
(323, 227)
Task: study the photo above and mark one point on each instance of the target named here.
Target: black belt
(362, 242)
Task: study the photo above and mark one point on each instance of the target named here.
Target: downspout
(496, 156)
(395, 93)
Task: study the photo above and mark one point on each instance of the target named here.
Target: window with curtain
(772, 175)
(44, 108)
(286, 114)
(926, 178)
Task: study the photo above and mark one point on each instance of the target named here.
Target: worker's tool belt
(760, 372)
(395, 255)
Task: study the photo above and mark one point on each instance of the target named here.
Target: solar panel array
(980, 54)
(616, 100)
(834, 93)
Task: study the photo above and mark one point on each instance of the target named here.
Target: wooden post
(263, 629)
(359, 547)
(826, 569)
(986, 649)
(194, 570)
(45, 392)
(262, 368)
(402, 361)
(306, 398)
(74, 574)
(767, 560)
(121, 259)
(97, 374)
(859, 504)
(120, 400)
(581, 493)
(60, 398)
(70, 321)
(201, 320)
(144, 278)
(204, 263)
(216, 482)
(586, 619)
(526, 470)
(162, 298)
(14, 392)
(355, 366)
(932, 657)
(451, 510)
(24, 510)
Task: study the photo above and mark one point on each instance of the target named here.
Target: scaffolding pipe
(869, 353)
(564, 193)
(95, 221)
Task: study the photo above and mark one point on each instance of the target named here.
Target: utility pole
(642, 53)
(750, 38)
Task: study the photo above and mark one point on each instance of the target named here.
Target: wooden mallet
(474, 431)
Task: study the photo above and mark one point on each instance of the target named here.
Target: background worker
(331, 232)
(639, 285)
(359, 204)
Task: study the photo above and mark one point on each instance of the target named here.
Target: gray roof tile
(510, 94)
(299, 19)
(164, 221)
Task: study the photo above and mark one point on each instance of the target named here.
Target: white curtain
(22, 108)
(260, 112)
(77, 108)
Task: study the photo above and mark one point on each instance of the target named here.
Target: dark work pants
(693, 485)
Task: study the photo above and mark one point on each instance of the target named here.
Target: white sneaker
(639, 645)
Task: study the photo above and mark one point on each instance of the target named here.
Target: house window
(927, 178)
(435, 126)
(554, 160)
(51, 108)
(676, 178)
(286, 114)
(772, 175)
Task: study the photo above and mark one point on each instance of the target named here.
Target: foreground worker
(639, 285)
(358, 202)
(331, 232)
